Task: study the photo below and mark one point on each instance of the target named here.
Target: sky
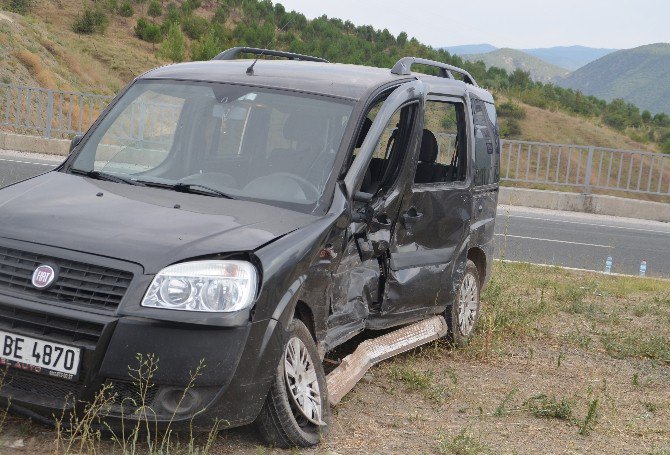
(521, 24)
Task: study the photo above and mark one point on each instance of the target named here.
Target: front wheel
(464, 313)
(296, 410)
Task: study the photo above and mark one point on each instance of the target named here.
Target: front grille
(17, 382)
(128, 396)
(72, 331)
(78, 283)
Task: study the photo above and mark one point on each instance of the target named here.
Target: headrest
(429, 149)
(365, 129)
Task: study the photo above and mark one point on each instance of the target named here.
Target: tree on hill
(155, 9)
(174, 45)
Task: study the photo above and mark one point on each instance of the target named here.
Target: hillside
(569, 57)
(511, 59)
(466, 49)
(640, 76)
(40, 48)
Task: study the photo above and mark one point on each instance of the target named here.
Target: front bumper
(230, 368)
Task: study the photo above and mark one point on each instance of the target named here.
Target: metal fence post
(587, 175)
(49, 114)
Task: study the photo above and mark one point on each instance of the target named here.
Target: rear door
(434, 218)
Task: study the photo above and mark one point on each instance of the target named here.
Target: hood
(134, 223)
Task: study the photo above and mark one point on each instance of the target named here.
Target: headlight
(211, 286)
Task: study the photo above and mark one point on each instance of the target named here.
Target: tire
(281, 422)
(466, 304)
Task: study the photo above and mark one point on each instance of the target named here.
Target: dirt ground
(562, 363)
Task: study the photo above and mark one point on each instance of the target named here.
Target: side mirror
(75, 141)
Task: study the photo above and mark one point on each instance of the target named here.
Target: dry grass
(34, 65)
(556, 127)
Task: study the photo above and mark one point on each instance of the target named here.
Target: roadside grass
(570, 323)
(622, 316)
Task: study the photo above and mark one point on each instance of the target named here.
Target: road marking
(28, 162)
(584, 224)
(552, 240)
(579, 270)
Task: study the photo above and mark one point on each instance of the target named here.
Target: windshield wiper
(197, 188)
(105, 176)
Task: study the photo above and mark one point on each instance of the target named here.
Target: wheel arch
(477, 255)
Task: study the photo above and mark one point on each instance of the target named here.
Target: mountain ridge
(640, 75)
(512, 59)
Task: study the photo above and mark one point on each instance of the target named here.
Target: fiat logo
(43, 276)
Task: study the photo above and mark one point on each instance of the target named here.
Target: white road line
(552, 240)
(28, 162)
(581, 270)
(584, 224)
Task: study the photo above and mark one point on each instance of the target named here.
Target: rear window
(487, 143)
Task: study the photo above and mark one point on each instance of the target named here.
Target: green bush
(510, 128)
(155, 9)
(174, 45)
(206, 48)
(190, 5)
(91, 20)
(20, 6)
(194, 26)
(510, 109)
(148, 31)
(126, 9)
(221, 14)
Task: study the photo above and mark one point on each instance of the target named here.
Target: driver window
(390, 151)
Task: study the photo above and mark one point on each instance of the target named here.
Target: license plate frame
(43, 357)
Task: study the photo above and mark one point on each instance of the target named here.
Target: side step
(370, 352)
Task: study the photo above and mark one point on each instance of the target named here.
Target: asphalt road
(568, 239)
(582, 240)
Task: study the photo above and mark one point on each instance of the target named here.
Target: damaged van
(241, 219)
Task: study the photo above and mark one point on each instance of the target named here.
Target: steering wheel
(304, 184)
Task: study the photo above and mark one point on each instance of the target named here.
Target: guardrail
(50, 113)
(56, 113)
(587, 168)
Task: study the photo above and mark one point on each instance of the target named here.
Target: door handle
(411, 216)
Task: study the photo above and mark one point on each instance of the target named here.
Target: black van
(252, 215)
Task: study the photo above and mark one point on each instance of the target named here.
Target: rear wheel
(464, 313)
(296, 410)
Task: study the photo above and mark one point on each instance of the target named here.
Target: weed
(590, 420)
(579, 339)
(636, 345)
(549, 407)
(636, 379)
(462, 444)
(650, 407)
(421, 381)
(501, 410)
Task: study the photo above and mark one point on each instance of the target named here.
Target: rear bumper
(230, 368)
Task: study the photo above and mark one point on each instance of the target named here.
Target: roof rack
(404, 68)
(233, 52)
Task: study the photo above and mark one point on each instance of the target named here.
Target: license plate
(39, 356)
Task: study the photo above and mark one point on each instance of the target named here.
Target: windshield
(236, 141)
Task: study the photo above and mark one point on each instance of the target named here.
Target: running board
(370, 352)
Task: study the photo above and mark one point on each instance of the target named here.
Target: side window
(487, 143)
(443, 156)
(390, 151)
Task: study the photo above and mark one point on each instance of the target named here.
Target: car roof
(332, 79)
